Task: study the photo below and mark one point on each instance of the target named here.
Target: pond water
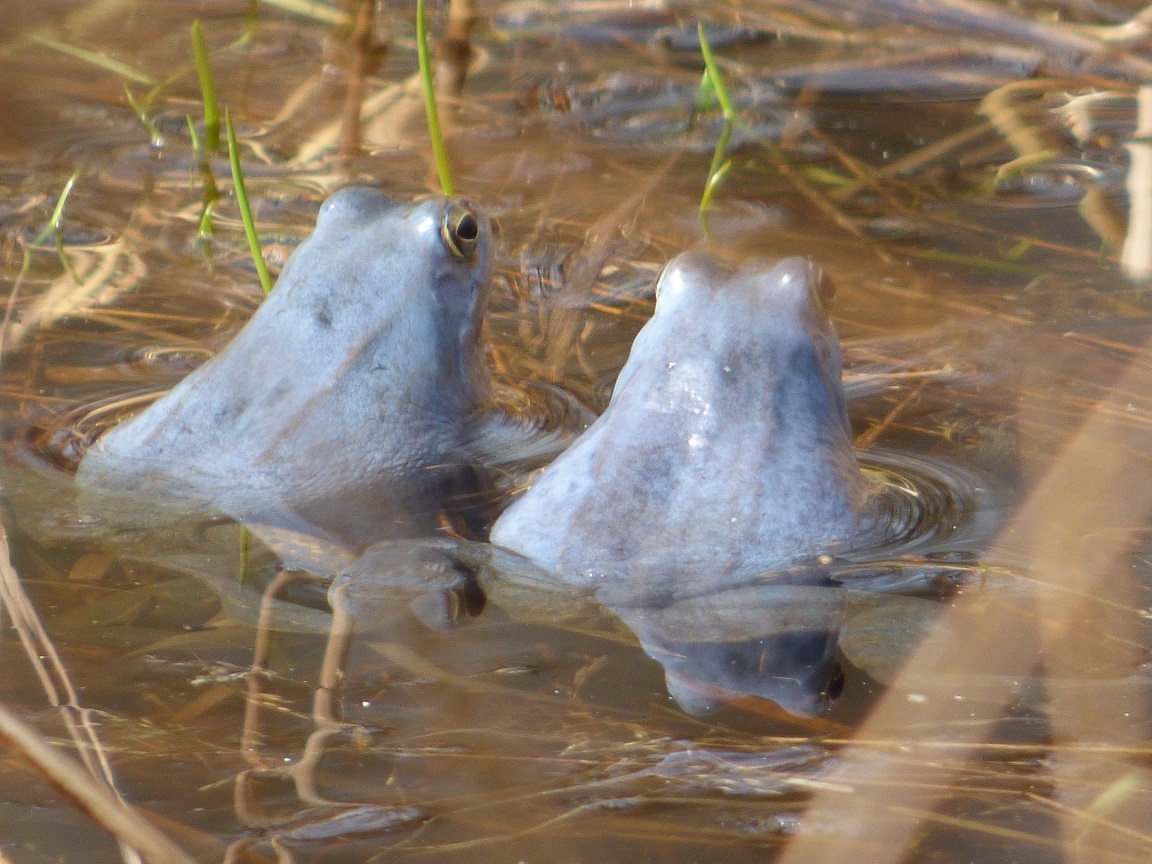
(991, 694)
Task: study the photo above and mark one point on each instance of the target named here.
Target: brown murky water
(985, 326)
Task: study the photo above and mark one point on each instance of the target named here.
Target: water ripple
(931, 523)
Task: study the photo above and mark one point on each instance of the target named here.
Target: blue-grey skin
(343, 408)
(725, 451)
(775, 641)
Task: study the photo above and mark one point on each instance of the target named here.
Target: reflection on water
(458, 704)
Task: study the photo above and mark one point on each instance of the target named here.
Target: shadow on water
(969, 682)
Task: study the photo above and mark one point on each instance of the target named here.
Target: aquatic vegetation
(53, 226)
(435, 134)
(245, 208)
(211, 140)
(712, 83)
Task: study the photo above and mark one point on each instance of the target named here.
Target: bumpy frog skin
(343, 407)
(725, 450)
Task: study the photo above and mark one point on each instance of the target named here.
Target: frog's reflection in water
(775, 638)
(403, 597)
(776, 641)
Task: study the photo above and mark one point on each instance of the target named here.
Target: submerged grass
(978, 262)
(207, 89)
(103, 61)
(141, 110)
(211, 191)
(52, 227)
(211, 142)
(55, 221)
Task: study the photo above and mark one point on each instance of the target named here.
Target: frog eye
(460, 230)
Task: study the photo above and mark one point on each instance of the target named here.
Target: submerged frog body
(725, 450)
(344, 407)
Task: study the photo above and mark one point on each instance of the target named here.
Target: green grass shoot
(715, 178)
(1012, 169)
(705, 99)
(211, 141)
(712, 86)
(207, 89)
(439, 153)
(245, 209)
(1019, 250)
(142, 112)
(824, 176)
(714, 76)
(1022, 164)
(52, 228)
(208, 180)
(721, 151)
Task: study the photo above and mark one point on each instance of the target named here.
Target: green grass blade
(439, 153)
(822, 176)
(142, 114)
(65, 261)
(712, 86)
(53, 225)
(705, 98)
(207, 89)
(726, 106)
(192, 134)
(208, 180)
(1017, 252)
(719, 153)
(245, 209)
(1022, 164)
(52, 228)
(714, 181)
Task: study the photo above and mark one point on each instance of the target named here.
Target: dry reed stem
(45, 661)
(1075, 527)
(114, 816)
(358, 47)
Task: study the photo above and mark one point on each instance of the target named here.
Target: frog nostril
(834, 688)
(822, 286)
